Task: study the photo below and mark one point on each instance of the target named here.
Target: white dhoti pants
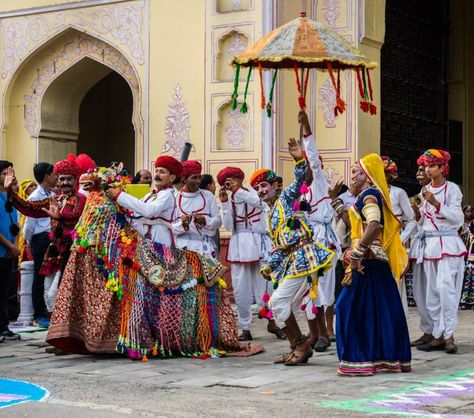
(326, 288)
(444, 286)
(248, 285)
(51, 284)
(419, 294)
(287, 298)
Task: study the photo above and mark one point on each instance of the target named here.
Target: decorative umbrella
(305, 44)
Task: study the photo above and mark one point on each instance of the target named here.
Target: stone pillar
(26, 303)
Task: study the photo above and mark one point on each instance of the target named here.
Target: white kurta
(320, 220)
(199, 239)
(402, 209)
(152, 215)
(443, 257)
(249, 246)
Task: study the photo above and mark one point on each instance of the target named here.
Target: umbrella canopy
(306, 42)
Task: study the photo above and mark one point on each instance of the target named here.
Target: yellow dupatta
(372, 167)
(22, 193)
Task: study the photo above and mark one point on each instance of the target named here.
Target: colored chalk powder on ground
(13, 392)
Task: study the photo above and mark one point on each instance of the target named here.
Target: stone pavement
(112, 386)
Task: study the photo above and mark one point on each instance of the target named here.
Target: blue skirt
(371, 328)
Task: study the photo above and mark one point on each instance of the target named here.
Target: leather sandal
(321, 345)
(296, 359)
(283, 358)
(451, 348)
(422, 340)
(245, 336)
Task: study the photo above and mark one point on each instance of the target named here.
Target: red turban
(389, 166)
(436, 156)
(84, 162)
(227, 172)
(191, 167)
(264, 174)
(171, 164)
(66, 167)
(420, 160)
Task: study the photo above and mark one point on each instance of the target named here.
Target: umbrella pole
(301, 78)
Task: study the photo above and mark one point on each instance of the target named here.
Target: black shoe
(10, 335)
(321, 345)
(245, 336)
(2, 339)
(430, 347)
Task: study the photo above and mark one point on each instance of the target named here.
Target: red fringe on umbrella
(340, 103)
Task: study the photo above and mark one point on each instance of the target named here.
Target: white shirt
(154, 213)
(250, 241)
(449, 218)
(401, 208)
(321, 214)
(197, 239)
(35, 226)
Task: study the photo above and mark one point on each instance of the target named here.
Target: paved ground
(92, 386)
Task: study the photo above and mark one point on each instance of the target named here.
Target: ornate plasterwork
(327, 101)
(235, 131)
(72, 52)
(123, 22)
(331, 11)
(332, 175)
(178, 124)
(236, 45)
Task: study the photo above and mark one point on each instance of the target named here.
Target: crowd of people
(348, 259)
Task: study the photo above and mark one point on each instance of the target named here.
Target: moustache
(157, 178)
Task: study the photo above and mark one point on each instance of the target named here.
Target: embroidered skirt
(371, 329)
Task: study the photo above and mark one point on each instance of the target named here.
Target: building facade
(128, 80)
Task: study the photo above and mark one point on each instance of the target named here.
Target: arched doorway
(106, 131)
(88, 109)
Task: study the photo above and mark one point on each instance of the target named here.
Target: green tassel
(366, 94)
(309, 279)
(270, 97)
(275, 285)
(235, 94)
(243, 108)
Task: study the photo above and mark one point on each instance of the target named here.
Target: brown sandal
(283, 358)
(295, 359)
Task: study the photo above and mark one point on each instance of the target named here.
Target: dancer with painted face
(296, 260)
(245, 215)
(153, 215)
(197, 214)
(441, 250)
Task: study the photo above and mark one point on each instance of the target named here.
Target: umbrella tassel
(262, 93)
(340, 106)
(235, 94)
(301, 101)
(243, 108)
(364, 103)
(372, 107)
(359, 83)
(270, 97)
(340, 103)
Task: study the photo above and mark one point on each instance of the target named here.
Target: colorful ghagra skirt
(371, 329)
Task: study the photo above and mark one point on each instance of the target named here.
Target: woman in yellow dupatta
(372, 333)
